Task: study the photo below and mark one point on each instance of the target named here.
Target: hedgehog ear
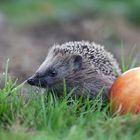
(77, 62)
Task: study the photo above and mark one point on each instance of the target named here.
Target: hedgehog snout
(37, 81)
(31, 80)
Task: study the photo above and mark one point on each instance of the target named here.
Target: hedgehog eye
(52, 72)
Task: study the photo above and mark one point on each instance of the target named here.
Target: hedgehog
(86, 67)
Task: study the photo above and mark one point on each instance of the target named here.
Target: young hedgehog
(86, 67)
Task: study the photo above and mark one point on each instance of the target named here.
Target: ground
(27, 47)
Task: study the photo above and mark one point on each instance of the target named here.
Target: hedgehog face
(55, 69)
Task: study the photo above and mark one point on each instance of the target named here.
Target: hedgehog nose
(31, 81)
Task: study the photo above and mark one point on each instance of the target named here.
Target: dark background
(29, 27)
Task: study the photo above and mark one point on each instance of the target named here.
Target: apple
(125, 93)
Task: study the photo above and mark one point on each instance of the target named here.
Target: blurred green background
(28, 11)
(29, 27)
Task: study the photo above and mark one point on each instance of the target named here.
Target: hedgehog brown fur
(84, 65)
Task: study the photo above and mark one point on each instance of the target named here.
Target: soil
(27, 47)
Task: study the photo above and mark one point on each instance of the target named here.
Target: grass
(44, 116)
(41, 115)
